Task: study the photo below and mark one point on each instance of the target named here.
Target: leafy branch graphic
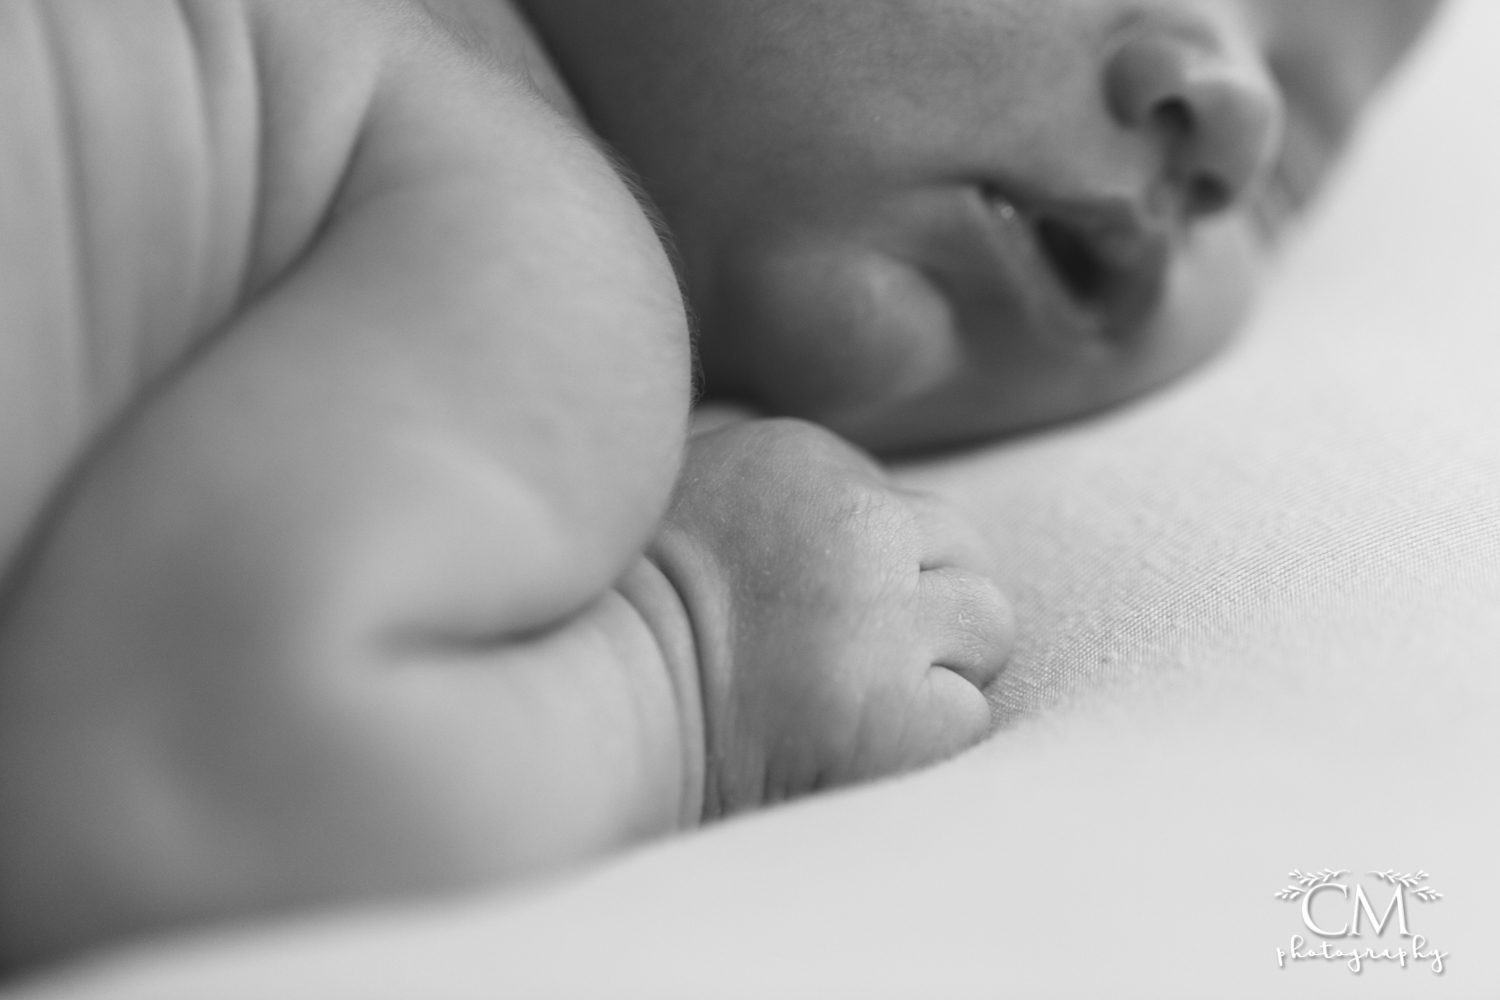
(1306, 882)
(1413, 882)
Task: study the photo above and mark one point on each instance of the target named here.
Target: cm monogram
(1346, 910)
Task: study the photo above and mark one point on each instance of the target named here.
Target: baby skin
(355, 542)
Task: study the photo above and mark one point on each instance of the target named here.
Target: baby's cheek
(835, 332)
(907, 327)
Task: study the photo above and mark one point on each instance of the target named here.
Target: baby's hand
(845, 627)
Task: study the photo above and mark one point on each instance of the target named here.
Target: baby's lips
(1091, 269)
(1109, 258)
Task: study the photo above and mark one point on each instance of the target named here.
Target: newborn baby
(355, 542)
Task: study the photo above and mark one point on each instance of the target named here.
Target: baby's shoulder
(226, 130)
(167, 124)
(499, 34)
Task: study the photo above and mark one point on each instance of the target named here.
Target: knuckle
(976, 604)
(866, 508)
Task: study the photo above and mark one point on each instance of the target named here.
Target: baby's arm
(333, 614)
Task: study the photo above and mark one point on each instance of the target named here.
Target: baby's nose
(1216, 115)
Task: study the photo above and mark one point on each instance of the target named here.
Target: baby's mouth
(1104, 267)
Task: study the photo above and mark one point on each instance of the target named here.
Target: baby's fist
(845, 627)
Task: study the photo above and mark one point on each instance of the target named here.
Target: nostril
(1207, 195)
(1175, 117)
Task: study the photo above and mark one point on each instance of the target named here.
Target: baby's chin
(896, 361)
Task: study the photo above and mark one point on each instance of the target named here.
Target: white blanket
(1260, 619)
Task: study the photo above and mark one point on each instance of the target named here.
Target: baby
(355, 544)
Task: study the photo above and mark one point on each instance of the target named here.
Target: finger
(948, 538)
(968, 623)
(959, 708)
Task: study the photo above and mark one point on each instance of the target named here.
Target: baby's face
(924, 221)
